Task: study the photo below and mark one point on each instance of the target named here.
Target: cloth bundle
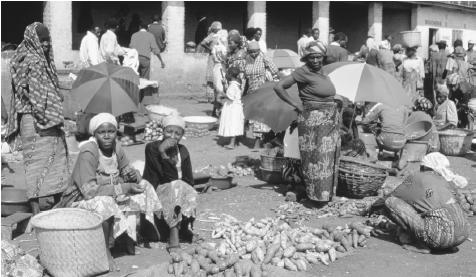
(440, 164)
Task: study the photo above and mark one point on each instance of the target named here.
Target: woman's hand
(132, 188)
(165, 145)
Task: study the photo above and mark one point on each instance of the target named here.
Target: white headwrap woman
(103, 182)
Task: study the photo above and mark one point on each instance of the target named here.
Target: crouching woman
(104, 183)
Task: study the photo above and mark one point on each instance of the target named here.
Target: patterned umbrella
(107, 88)
(364, 82)
(284, 58)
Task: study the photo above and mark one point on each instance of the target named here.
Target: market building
(282, 25)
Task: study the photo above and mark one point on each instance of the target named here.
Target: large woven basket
(272, 163)
(359, 179)
(71, 242)
(455, 142)
(411, 38)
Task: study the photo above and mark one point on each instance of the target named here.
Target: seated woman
(169, 169)
(103, 182)
(425, 208)
(446, 113)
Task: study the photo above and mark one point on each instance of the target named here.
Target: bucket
(414, 151)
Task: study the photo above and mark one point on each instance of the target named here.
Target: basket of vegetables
(359, 179)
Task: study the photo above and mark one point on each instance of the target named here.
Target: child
(232, 117)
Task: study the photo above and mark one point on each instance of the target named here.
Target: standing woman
(318, 122)
(413, 73)
(256, 65)
(37, 116)
(236, 54)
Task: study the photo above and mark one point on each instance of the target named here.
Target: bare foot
(112, 265)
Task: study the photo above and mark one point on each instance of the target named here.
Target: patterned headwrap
(234, 35)
(215, 26)
(100, 119)
(35, 86)
(314, 47)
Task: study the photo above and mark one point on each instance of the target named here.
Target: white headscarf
(174, 120)
(100, 119)
(440, 164)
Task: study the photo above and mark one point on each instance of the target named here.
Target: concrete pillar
(257, 16)
(173, 17)
(375, 20)
(320, 19)
(417, 24)
(57, 16)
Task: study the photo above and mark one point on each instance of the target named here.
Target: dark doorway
(16, 16)
(286, 21)
(350, 18)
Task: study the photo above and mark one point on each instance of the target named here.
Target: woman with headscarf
(168, 168)
(257, 65)
(236, 54)
(218, 54)
(426, 209)
(36, 115)
(318, 122)
(104, 182)
(206, 46)
(412, 73)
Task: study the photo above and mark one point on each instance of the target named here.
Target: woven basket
(272, 163)
(416, 150)
(455, 142)
(411, 38)
(71, 242)
(359, 179)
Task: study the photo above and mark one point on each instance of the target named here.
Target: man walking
(303, 41)
(89, 48)
(157, 29)
(145, 44)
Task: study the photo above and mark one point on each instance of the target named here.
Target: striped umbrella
(284, 58)
(364, 82)
(107, 88)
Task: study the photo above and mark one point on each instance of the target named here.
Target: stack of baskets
(71, 242)
(271, 168)
(359, 179)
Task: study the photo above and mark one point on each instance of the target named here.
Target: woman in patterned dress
(425, 208)
(256, 66)
(103, 182)
(318, 122)
(37, 116)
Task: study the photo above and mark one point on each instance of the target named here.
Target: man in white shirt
(89, 49)
(303, 41)
(109, 47)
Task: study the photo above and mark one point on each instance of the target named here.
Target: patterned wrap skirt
(45, 159)
(440, 228)
(319, 145)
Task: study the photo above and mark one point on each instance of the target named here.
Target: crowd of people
(104, 181)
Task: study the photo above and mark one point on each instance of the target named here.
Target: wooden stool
(15, 224)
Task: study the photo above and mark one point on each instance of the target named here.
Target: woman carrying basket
(318, 122)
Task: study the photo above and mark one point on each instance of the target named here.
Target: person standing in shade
(303, 41)
(336, 51)
(89, 49)
(387, 42)
(109, 48)
(157, 29)
(315, 34)
(471, 54)
(144, 43)
(257, 37)
(202, 28)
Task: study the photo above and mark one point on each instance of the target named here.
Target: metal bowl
(14, 201)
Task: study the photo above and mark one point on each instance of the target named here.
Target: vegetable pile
(250, 247)
(127, 140)
(153, 131)
(233, 170)
(195, 132)
(467, 200)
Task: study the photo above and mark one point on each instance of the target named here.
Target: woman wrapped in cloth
(169, 169)
(103, 182)
(36, 115)
(425, 208)
(318, 122)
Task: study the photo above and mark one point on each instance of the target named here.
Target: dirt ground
(254, 198)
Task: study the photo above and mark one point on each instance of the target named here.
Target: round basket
(411, 38)
(200, 122)
(159, 112)
(418, 129)
(359, 179)
(455, 142)
(71, 242)
(272, 163)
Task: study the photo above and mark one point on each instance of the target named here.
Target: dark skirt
(319, 144)
(45, 159)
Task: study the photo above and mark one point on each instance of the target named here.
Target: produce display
(127, 140)
(423, 104)
(196, 132)
(153, 131)
(467, 199)
(230, 170)
(248, 248)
